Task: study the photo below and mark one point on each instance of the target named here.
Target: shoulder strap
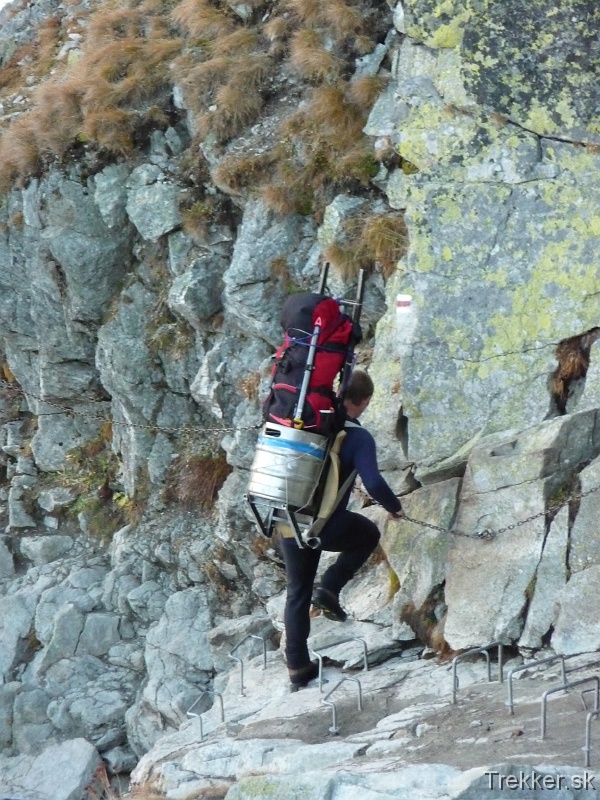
(333, 493)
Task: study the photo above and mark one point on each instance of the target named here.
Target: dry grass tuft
(19, 152)
(363, 45)
(277, 28)
(380, 239)
(289, 197)
(108, 25)
(250, 385)
(308, 11)
(239, 43)
(201, 21)
(195, 480)
(311, 59)
(385, 238)
(57, 118)
(335, 115)
(344, 20)
(573, 356)
(238, 173)
(364, 91)
(197, 218)
(48, 40)
(113, 130)
(323, 151)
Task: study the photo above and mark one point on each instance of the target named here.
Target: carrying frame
(300, 520)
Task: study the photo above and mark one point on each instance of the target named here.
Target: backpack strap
(333, 492)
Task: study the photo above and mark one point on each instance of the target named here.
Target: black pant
(351, 535)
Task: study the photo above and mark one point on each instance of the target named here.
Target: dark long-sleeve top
(358, 452)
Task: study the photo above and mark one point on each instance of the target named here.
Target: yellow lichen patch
(539, 119)
(442, 25)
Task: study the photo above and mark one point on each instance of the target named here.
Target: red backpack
(338, 335)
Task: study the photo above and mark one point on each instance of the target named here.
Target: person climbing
(351, 535)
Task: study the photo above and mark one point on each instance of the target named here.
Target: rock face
(134, 353)
(487, 225)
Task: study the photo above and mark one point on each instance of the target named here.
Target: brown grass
(34, 58)
(113, 95)
(250, 385)
(363, 45)
(112, 24)
(310, 58)
(573, 356)
(19, 152)
(323, 150)
(238, 100)
(239, 43)
(238, 105)
(330, 110)
(238, 173)
(428, 630)
(197, 218)
(364, 91)
(344, 20)
(202, 79)
(385, 237)
(48, 40)
(200, 20)
(195, 480)
(289, 197)
(112, 130)
(101, 98)
(308, 11)
(57, 118)
(366, 241)
(277, 28)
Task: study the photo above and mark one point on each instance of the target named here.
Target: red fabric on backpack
(336, 337)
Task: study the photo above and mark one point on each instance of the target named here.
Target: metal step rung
(531, 665)
(326, 702)
(318, 655)
(189, 712)
(562, 688)
(588, 736)
(239, 660)
(475, 651)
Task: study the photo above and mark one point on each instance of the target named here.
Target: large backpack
(291, 478)
(337, 336)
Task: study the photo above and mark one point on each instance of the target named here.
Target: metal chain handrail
(484, 534)
(187, 430)
(488, 534)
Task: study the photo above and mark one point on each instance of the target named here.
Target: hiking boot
(300, 677)
(329, 604)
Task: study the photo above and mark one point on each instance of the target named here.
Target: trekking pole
(323, 278)
(298, 422)
(360, 291)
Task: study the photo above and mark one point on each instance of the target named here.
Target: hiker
(351, 535)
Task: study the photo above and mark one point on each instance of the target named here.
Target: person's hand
(396, 514)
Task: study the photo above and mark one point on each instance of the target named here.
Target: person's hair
(360, 387)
